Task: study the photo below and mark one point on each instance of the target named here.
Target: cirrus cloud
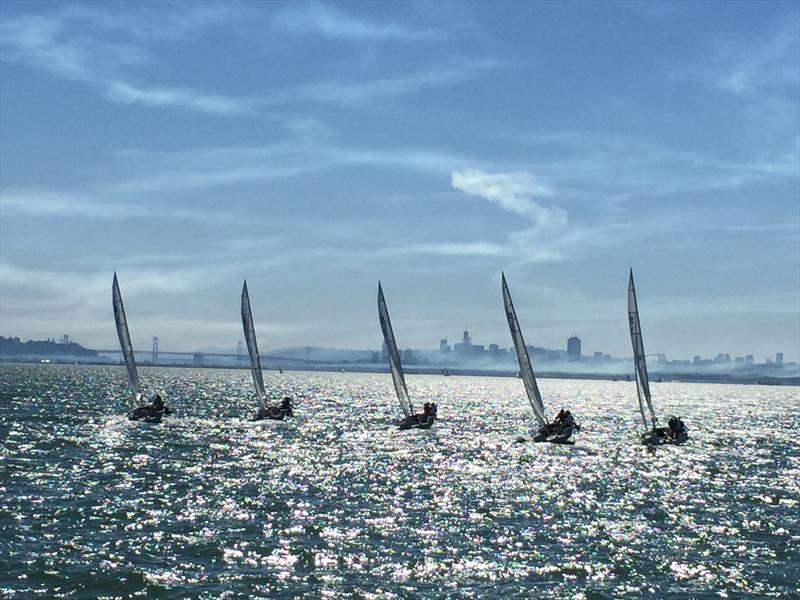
(513, 192)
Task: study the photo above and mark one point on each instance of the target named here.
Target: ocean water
(336, 503)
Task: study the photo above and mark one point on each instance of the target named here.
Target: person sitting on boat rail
(286, 406)
(568, 421)
(676, 427)
(157, 406)
(558, 423)
(430, 412)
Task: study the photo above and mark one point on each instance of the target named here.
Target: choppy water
(337, 503)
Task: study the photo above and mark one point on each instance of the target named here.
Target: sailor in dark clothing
(673, 426)
(676, 427)
(428, 413)
(158, 403)
(286, 406)
(558, 423)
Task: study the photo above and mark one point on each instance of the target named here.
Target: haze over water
(337, 503)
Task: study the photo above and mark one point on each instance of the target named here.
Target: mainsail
(252, 346)
(525, 366)
(394, 356)
(125, 340)
(642, 381)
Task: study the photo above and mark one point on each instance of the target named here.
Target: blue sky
(317, 147)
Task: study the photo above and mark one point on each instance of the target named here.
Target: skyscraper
(779, 358)
(465, 345)
(574, 348)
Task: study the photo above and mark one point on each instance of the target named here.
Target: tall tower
(239, 351)
(155, 349)
(574, 348)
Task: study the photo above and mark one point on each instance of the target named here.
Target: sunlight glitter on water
(337, 502)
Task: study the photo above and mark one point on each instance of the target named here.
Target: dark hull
(146, 414)
(415, 422)
(562, 437)
(661, 437)
(272, 413)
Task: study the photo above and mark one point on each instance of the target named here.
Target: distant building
(597, 357)
(465, 346)
(408, 356)
(574, 348)
(384, 352)
(65, 339)
(748, 360)
(198, 359)
(779, 358)
(739, 361)
(697, 360)
(444, 347)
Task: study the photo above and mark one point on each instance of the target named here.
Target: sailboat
(411, 420)
(558, 433)
(264, 411)
(149, 413)
(676, 433)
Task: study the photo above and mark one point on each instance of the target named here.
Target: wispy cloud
(446, 249)
(331, 22)
(49, 204)
(222, 166)
(613, 167)
(765, 64)
(213, 104)
(513, 192)
(356, 93)
(109, 52)
(74, 44)
(45, 42)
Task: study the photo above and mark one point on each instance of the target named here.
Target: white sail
(394, 356)
(252, 346)
(639, 362)
(525, 366)
(125, 341)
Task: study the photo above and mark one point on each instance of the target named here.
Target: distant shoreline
(671, 378)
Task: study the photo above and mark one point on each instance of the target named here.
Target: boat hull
(414, 422)
(561, 437)
(660, 437)
(271, 413)
(146, 414)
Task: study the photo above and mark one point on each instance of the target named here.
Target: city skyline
(477, 351)
(316, 148)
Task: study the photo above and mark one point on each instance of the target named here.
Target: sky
(315, 148)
